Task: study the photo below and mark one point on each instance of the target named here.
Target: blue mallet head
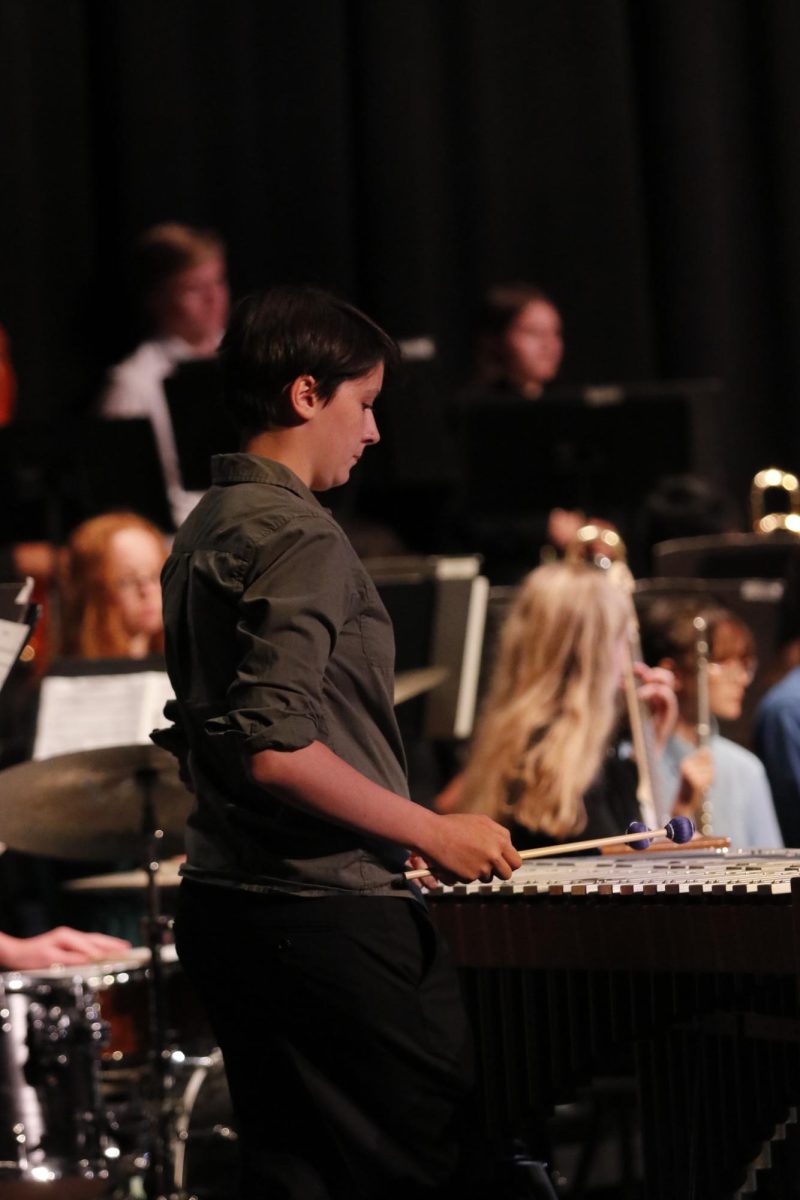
(679, 830)
(638, 827)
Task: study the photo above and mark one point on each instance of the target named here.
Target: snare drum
(65, 1034)
(51, 1119)
(119, 993)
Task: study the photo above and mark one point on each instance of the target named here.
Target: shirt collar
(683, 747)
(252, 468)
(176, 350)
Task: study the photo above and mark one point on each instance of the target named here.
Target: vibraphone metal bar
(690, 964)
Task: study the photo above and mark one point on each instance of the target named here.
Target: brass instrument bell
(596, 544)
(773, 478)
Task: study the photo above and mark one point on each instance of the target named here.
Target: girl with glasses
(722, 776)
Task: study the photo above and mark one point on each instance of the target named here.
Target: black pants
(344, 1037)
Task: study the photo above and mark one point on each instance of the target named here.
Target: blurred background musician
(777, 742)
(183, 288)
(110, 602)
(27, 942)
(544, 759)
(520, 341)
(111, 589)
(725, 774)
(519, 349)
(111, 609)
(776, 727)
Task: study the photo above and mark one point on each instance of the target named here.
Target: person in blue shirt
(723, 775)
(777, 743)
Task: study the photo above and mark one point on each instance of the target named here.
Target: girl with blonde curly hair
(543, 759)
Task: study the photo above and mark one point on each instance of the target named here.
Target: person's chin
(334, 481)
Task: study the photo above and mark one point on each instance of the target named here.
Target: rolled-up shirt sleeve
(297, 595)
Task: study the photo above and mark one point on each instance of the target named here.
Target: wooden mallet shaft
(647, 835)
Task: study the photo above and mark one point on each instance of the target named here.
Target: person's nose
(371, 434)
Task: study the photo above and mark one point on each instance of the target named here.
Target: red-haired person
(111, 601)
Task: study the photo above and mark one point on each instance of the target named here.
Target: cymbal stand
(159, 1178)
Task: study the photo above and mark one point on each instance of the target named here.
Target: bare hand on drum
(469, 846)
(62, 945)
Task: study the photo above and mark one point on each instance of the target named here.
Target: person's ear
(303, 397)
(669, 664)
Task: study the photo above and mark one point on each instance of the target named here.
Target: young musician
(543, 760)
(332, 998)
(183, 289)
(520, 340)
(724, 775)
(111, 588)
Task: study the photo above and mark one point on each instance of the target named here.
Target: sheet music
(89, 712)
(13, 636)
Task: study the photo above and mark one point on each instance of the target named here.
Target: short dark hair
(288, 331)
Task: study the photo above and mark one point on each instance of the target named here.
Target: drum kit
(110, 1082)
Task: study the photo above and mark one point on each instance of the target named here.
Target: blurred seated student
(111, 609)
(777, 743)
(183, 288)
(519, 348)
(544, 760)
(111, 589)
(520, 341)
(727, 775)
(776, 732)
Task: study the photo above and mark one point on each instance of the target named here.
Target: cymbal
(90, 804)
(125, 881)
(409, 684)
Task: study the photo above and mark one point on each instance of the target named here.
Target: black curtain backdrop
(639, 159)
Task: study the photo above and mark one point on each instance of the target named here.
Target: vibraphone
(689, 966)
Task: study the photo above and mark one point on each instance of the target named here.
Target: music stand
(117, 467)
(200, 422)
(32, 501)
(438, 608)
(523, 456)
(729, 556)
(18, 617)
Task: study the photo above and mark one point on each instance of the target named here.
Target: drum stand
(160, 1172)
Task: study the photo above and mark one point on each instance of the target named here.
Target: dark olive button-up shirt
(275, 638)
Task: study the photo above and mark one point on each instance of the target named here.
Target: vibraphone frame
(699, 982)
